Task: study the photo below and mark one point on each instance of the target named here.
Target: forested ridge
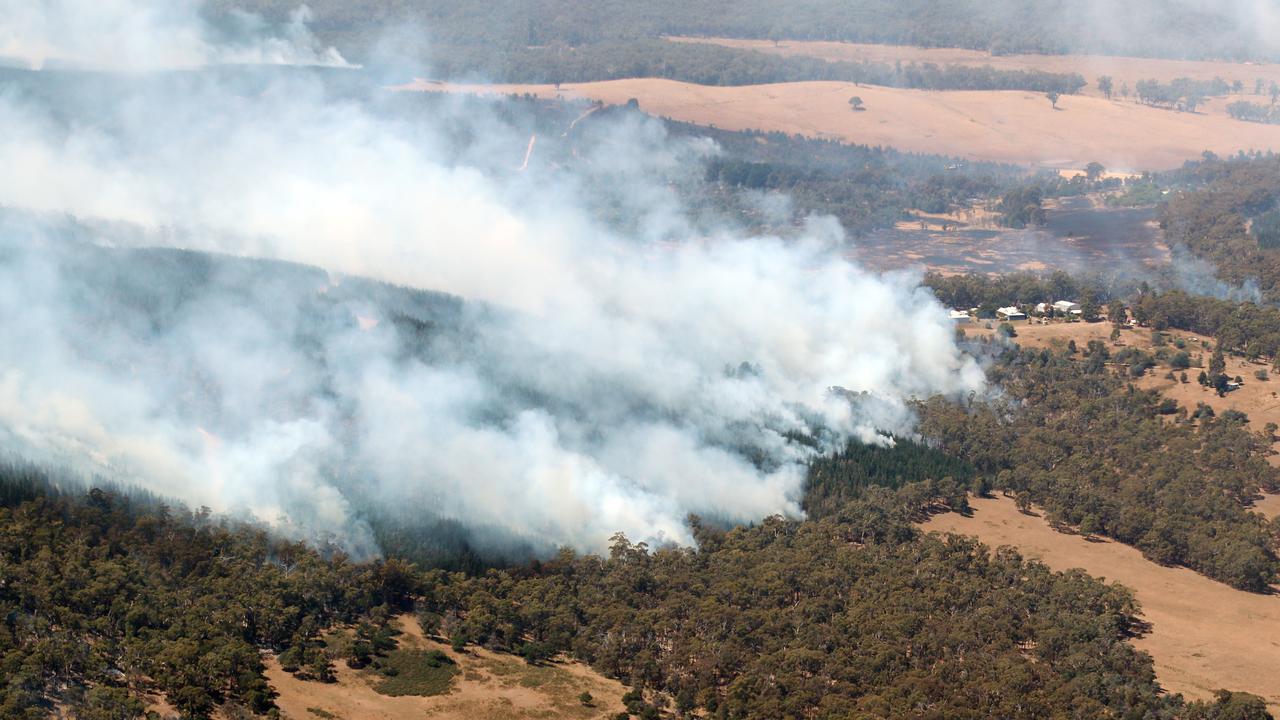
(1225, 211)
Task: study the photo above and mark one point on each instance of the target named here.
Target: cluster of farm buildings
(1062, 308)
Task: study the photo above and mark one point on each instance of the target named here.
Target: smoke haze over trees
(587, 392)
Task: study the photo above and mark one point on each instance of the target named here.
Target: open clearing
(1123, 70)
(1006, 126)
(490, 686)
(1204, 635)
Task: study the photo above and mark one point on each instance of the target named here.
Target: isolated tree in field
(1238, 87)
(585, 698)
(1124, 90)
(1022, 500)
(1053, 98)
(1105, 85)
(1094, 170)
(775, 35)
(855, 102)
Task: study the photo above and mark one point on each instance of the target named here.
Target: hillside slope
(1016, 127)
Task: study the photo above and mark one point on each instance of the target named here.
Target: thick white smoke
(610, 381)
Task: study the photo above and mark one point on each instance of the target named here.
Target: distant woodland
(555, 41)
(1142, 27)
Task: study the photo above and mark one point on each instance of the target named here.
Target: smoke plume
(594, 358)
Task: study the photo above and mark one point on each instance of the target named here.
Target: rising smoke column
(609, 380)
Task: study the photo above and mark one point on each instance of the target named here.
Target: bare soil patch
(1204, 635)
(489, 686)
(1006, 126)
(1269, 506)
(1121, 69)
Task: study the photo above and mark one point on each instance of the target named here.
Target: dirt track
(1204, 635)
(1008, 126)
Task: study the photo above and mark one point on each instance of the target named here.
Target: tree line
(709, 64)
(1182, 93)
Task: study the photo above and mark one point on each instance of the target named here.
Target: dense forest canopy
(1223, 211)
(856, 614)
